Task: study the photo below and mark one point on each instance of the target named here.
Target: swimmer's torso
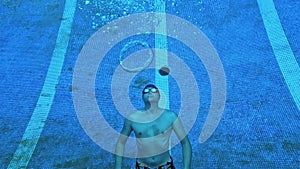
(152, 136)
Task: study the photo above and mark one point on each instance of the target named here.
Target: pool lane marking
(161, 56)
(282, 50)
(36, 124)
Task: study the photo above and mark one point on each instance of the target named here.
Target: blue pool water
(259, 126)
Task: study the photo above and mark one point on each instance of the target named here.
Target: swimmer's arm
(187, 152)
(126, 130)
(185, 143)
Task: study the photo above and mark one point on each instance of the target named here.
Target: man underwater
(152, 127)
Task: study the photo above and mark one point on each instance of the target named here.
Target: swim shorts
(168, 165)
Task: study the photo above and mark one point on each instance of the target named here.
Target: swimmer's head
(151, 93)
(149, 86)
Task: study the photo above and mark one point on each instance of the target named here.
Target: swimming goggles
(148, 90)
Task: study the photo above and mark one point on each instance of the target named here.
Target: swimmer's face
(151, 94)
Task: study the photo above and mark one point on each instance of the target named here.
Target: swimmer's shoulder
(134, 116)
(171, 115)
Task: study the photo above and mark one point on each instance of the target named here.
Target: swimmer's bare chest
(153, 150)
(161, 125)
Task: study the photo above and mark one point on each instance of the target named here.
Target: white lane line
(161, 56)
(282, 50)
(40, 114)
